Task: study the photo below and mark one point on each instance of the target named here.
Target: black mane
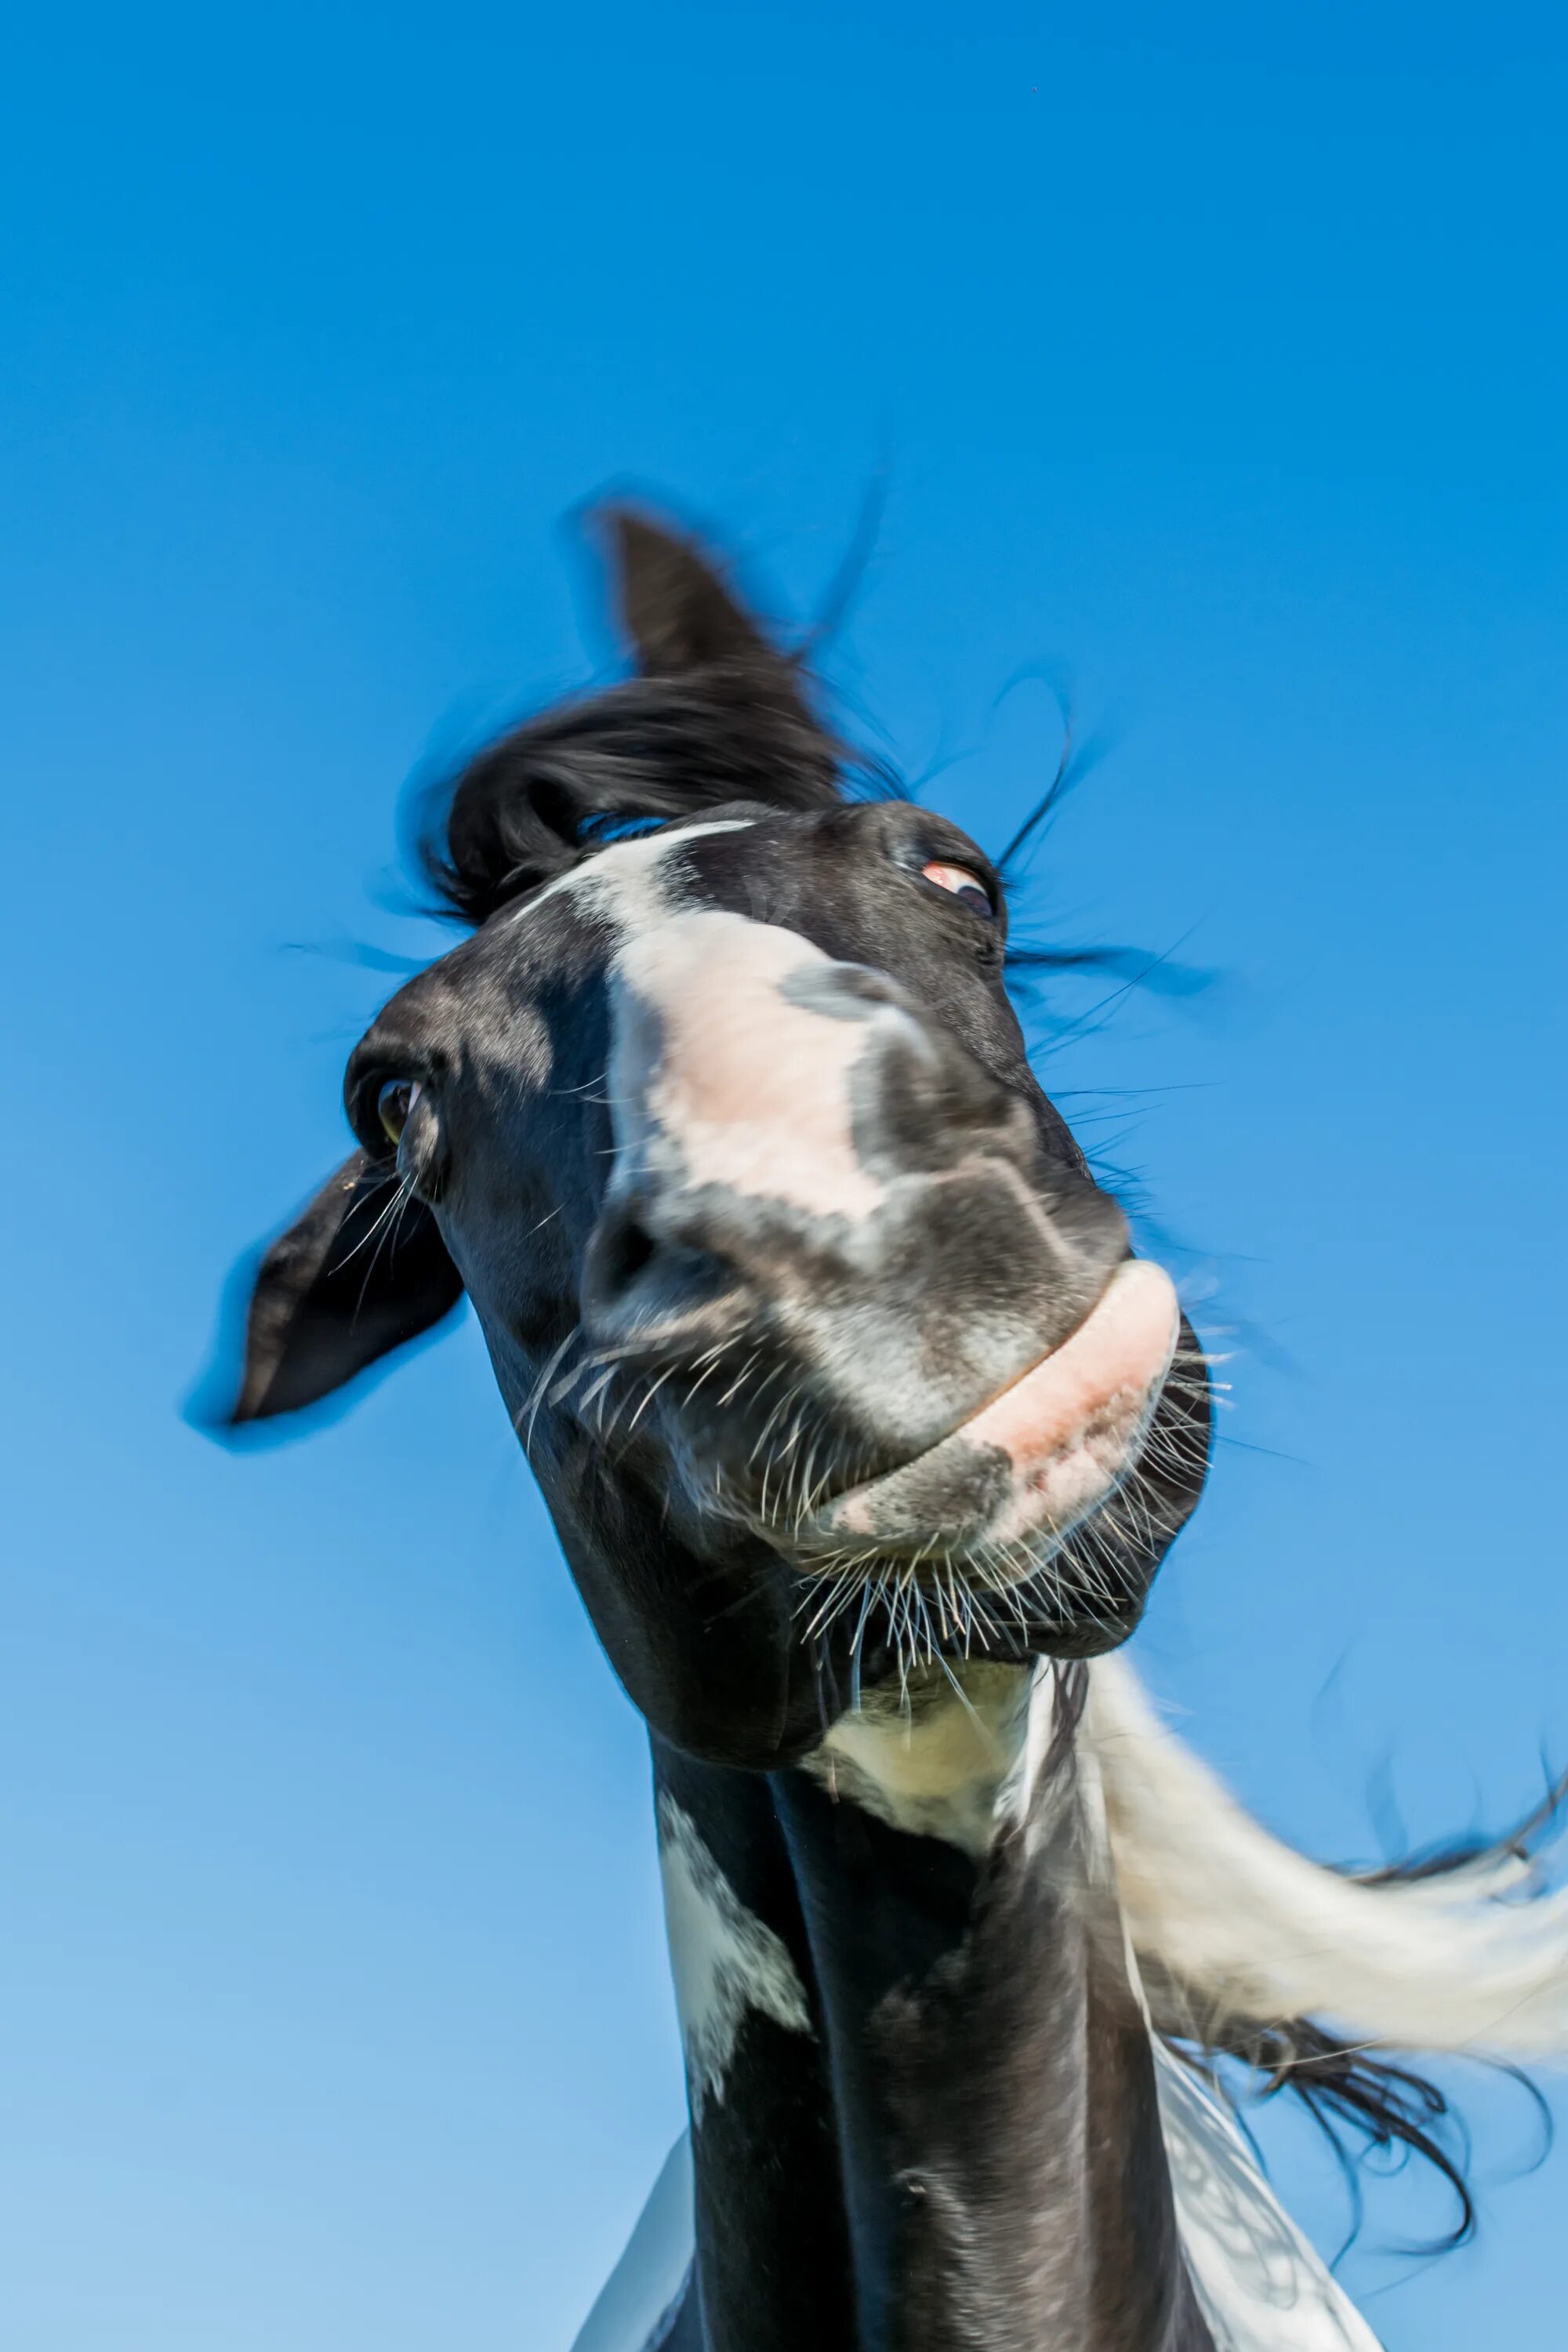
(719, 711)
(528, 806)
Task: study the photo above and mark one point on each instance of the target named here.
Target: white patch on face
(723, 1959)
(622, 879)
(713, 1064)
(717, 1070)
(932, 1760)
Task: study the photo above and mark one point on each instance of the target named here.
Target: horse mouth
(1009, 1485)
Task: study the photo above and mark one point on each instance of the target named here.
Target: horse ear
(361, 1272)
(675, 605)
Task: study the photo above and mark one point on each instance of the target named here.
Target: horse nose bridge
(740, 1054)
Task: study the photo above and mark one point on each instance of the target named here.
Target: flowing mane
(1250, 1951)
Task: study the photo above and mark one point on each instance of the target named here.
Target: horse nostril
(634, 1275)
(621, 1248)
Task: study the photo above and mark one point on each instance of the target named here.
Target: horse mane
(1243, 1944)
(554, 789)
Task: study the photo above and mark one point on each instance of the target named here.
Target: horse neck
(924, 2106)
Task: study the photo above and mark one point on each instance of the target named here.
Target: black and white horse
(865, 1434)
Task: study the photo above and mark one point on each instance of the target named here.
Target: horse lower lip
(1042, 1454)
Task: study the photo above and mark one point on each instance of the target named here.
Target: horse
(865, 1432)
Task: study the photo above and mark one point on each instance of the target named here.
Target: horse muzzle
(1014, 1480)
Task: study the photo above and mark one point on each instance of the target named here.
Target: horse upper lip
(1136, 1308)
(1016, 1380)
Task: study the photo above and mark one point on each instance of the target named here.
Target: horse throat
(924, 2106)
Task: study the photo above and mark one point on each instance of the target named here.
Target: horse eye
(394, 1105)
(963, 886)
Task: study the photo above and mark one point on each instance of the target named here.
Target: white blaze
(713, 1064)
(718, 1073)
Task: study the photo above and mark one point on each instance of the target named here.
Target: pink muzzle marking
(716, 1070)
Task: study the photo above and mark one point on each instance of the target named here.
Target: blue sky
(1219, 358)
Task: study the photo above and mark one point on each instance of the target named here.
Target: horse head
(829, 1353)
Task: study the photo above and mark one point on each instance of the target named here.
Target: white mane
(1229, 1922)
